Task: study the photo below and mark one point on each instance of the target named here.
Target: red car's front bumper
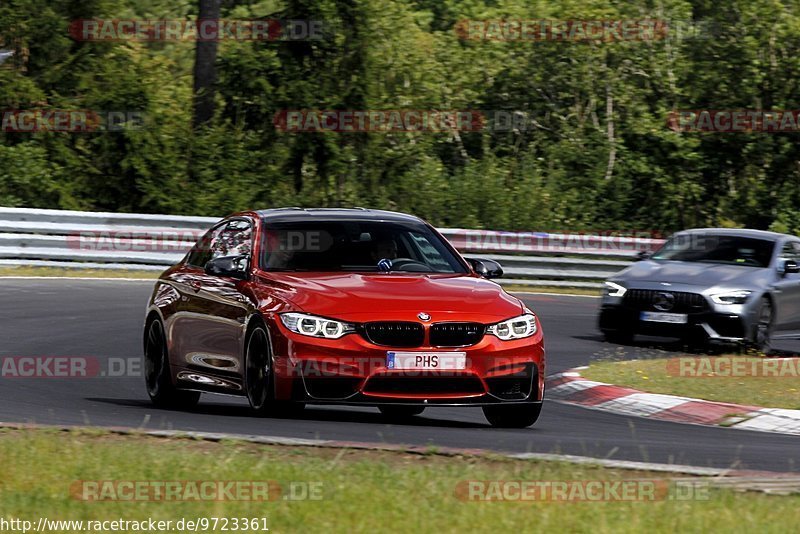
(352, 370)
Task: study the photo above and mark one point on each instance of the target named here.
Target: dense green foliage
(598, 157)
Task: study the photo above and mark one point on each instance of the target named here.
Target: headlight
(615, 290)
(516, 328)
(731, 297)
(311, 325)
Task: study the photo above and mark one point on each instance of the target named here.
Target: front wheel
(259, 378)
(513, 416)
(258, 370)
(160, 388)
(762, 334)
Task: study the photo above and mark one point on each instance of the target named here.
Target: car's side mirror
(643, 255)
(229, 266)
(486, 268)
(790, 267)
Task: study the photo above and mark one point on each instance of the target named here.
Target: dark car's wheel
(162, 391)
(696, 341)
(513, 416)
(618, 337)
(762, 330)
(400, 412)
(259, 378)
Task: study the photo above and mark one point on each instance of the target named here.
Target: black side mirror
(229, 266)
(790, 267)
(643, 255)
(485, 267)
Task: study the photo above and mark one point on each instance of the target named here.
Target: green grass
(661, 376)
(363, 491)
(59, 272)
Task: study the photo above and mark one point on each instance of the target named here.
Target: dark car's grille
(456, 334)
(394, 334)
(648, 299)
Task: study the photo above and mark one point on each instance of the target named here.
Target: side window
(791, 251)
(232, 238)
(201, 252)
(235, 239)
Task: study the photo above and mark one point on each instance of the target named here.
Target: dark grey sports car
(709, 284)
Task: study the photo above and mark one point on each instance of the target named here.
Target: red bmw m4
(291, 306)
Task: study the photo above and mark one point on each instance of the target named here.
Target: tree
(205, 68)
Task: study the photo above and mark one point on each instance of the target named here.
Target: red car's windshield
(355, 246)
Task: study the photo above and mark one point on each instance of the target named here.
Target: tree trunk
(205, 70)
(612, 142)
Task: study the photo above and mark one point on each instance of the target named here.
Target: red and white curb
(571, 388)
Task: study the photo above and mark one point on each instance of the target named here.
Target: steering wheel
(409, 265)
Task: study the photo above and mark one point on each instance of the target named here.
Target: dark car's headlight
(516, 328)
(311, 325)
(614, 290)
(731, 297)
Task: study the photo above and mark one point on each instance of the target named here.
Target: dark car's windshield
(355, 246)
(724, 249)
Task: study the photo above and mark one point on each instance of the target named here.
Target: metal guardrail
(75, 239)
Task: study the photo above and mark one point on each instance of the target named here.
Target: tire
(697, 341)
(259, 380)
(400, 412)
(513, 416)
(157, 376)
(618, 337)
(762, 330)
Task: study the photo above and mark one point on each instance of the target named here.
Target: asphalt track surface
(103, 319)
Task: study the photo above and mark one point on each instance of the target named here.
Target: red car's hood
(397, 297)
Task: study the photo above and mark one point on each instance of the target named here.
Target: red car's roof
(333, 214)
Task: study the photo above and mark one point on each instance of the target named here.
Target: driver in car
(280, 254)
(385, 249)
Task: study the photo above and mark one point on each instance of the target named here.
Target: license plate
(661, 317)
(434, 361)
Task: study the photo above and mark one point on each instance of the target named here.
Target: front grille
(456, 334)
(646, 299)
(394, 334)
(424, 385)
